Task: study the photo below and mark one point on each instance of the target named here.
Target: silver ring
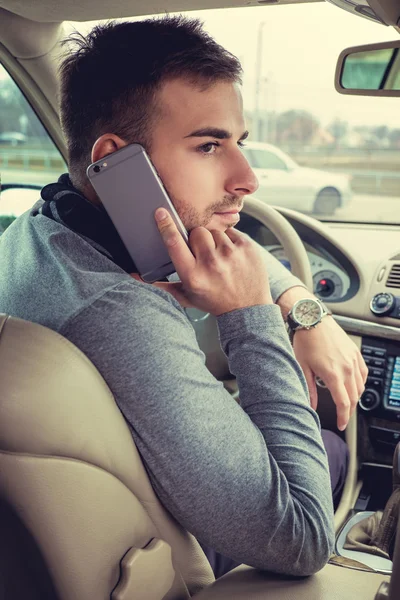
(320, 383)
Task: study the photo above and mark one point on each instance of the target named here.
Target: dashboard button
(372, 382)
(367, 350)
(374, 372)
(382, 304)
(378, 352)
(381, 274)
(377, 362)
(370, 400)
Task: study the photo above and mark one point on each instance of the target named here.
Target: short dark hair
(110, 79)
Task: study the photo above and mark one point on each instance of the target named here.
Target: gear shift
(391, 591)
(396, 468)
(394, 500)
(377, 533)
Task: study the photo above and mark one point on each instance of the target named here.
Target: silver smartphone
(130, 190)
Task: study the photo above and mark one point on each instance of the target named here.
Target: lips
(232, 211)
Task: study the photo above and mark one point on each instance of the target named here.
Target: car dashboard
(356, 272)
(330, 281)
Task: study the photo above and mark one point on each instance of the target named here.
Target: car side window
(267, 160)
(28, 157)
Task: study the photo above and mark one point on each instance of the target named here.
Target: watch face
(307, 312)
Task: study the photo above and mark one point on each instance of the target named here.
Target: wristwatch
(306, 313)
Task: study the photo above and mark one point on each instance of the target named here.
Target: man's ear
(105, 145)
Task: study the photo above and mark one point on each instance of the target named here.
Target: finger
(223, 243)
(363, 367)
(180, 254)
(201, 242)
(312, 387)
(352, 391)
(235, 235)
(360, 381)
(342, 401)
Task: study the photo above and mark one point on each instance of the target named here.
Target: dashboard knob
(382, 304)
(370, 400)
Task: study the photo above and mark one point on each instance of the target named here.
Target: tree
(16, 113)
(394, 138)
(10, 112)
(296, 126)
(339, 129)
(381, 132)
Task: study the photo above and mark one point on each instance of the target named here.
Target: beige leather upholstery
(78, 515)
(332, 583)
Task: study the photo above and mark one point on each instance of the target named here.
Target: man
(250, 481)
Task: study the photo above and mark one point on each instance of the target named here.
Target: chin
(222, 222)
(230, 226)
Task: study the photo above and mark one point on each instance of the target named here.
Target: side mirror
(371, 70)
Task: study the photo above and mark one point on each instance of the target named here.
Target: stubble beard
(192, 218)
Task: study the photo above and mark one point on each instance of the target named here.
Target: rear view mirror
(372, 70)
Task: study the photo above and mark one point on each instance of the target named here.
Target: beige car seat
(78, 517)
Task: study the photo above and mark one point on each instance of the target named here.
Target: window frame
(36, 99)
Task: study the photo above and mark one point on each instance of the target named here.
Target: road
(375, 209)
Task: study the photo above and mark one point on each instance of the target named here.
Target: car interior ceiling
(29, 32)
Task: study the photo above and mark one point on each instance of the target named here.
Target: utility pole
(257, 91)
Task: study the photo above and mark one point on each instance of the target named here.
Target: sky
(301, 45)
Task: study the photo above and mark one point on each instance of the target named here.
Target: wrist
(306, 314)
(307, 331)
(287, 300)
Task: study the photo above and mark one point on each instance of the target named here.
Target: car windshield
(333, 156)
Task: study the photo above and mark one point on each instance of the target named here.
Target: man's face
(196, 151)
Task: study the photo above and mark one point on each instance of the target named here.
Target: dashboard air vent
(393, 279)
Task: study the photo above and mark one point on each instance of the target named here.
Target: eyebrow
(215, 132)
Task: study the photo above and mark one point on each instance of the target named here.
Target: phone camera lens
(96, 169)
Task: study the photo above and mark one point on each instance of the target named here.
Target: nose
(241, 179)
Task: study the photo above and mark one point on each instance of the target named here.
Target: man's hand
(328, 353)
(221, 272)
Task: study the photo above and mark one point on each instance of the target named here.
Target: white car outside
(282, 182)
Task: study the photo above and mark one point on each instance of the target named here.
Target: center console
(382, 393)
(378, 421)
(379, 407)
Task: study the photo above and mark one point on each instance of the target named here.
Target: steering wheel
(205, 324)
